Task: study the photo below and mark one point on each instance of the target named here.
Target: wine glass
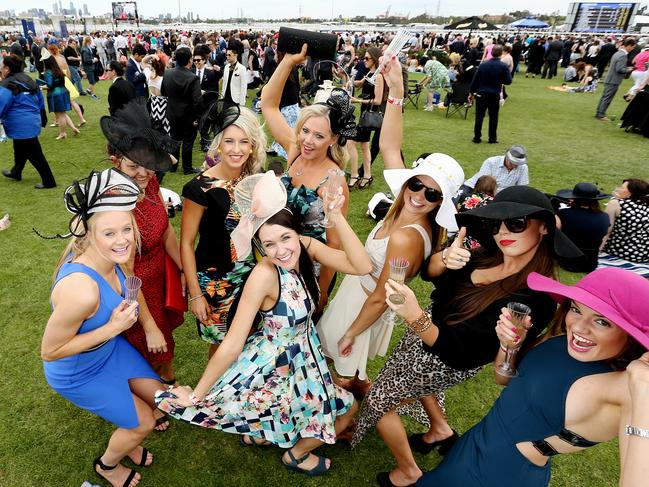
(331, 192)
(398, 268)
(519, 312)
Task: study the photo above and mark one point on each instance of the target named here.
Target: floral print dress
(279, 389)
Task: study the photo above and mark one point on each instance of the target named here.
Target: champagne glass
(398, 268)
(132, 285)
(331, 192)
(519, 312)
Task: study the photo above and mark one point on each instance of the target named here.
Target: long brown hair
(631, 350)
(471, 300)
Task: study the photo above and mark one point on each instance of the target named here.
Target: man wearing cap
(508, 170)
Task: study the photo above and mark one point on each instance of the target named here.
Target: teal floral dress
(279, 389)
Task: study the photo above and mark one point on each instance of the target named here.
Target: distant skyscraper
(85, 9)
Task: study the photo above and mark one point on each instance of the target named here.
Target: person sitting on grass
(85, 358)
(572, 392)
(272, 385)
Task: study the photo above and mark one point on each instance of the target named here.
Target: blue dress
(279, 388)
(531, 408)
(58, 97)
(97, 380)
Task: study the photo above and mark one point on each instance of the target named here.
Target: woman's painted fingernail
(514, 329)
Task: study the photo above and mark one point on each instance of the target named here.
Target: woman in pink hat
(572, 390)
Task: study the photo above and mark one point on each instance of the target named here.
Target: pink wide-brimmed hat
(619, 295)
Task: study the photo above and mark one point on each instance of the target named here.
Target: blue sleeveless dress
(97, 380)
(531, 408)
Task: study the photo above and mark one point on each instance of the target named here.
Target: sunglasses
(198, 60)
(431, 194)
(514, 225)
(367, 58)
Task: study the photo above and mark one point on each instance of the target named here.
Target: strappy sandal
(355, 179)
(253, 441)
(294, 464)
(365, 182)
(142, 462)
(100, 464)
(418, 444)
(160, 421)
(169, 382)
(383, 479)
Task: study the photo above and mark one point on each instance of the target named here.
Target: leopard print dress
(410, 374)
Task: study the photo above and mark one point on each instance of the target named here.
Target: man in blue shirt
(485, 89)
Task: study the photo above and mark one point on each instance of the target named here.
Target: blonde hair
(248, 122)
(87, 40)
(78, 245)
(336, 152)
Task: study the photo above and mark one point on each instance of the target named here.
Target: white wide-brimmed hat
(258, 197)
(446, 172)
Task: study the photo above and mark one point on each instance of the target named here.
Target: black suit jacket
(136, 77)
(119, 94)
(210, 81)
(183, 93)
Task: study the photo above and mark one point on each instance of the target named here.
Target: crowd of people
(259, 253)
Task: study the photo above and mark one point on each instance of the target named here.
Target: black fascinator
(341, 115)
(217, 116)
(130, 133)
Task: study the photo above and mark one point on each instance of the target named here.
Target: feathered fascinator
(108, 190)
(341, 115)
(131, 134)
(217, 116)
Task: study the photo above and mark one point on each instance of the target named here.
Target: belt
(96, 347)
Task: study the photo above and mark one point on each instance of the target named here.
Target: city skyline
(296, 8)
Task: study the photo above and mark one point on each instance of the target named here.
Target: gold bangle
(421, 324)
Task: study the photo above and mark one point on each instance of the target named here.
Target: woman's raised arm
(392, 129)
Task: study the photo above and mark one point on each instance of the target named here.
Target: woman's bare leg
(77, 110)
(439, 428)
(367, 159)
(395, 437)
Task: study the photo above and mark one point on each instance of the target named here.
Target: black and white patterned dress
(629, 238)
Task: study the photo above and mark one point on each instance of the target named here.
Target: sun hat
(514, 202)
(582, 191)
(517, 155)
(45, 54)
(258, 197)
(446, 172)
(129, 131)
(617, 294)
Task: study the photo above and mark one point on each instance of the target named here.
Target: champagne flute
(398, 268)
(132, 285)
(519, 312)
(331, 192)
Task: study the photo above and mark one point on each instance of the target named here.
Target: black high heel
(365, 182)
(418, 444)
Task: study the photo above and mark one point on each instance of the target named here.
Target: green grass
(44, 440)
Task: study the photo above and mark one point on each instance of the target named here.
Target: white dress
(344, 308)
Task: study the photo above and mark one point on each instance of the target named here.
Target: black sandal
(169, 382)
(383, 479)
(365, 182)
(100, 464)
(356, 179)
(142, 462)
(418, 444)
(160, 421)
(254, 441)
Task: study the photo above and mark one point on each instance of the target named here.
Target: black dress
(636, 115)
(586, 229)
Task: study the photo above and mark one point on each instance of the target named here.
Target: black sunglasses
(198, 59)
(431, 194)
(514, 225)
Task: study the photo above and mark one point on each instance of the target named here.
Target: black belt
(96, 347)
(566, 435)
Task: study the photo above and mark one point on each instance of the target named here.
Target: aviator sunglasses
(514, 225)
(431, 194)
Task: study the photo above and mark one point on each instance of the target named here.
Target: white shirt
(120, 42)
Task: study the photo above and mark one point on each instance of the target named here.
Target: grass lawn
(44, 440)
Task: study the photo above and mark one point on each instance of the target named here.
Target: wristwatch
(635, 431)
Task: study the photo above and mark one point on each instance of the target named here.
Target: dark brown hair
(631, 351)
(639, 190)
(486, 185)
(51, 64)
(14, 63)
(471, 300)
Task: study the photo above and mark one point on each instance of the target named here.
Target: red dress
(152, 220)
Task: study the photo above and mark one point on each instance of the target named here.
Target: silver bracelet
(635, 431)
(194, 298)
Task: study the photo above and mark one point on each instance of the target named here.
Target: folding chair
(413, 93)
(458, 99)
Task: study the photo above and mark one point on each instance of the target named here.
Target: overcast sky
(309, 8)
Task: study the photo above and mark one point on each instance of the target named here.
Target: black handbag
(371, 119)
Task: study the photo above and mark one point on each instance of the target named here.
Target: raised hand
(457, 256)
(296, 59)
(506, 331)
(410, 309)
(124, 316)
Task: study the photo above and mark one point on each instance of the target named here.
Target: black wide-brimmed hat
(582, 191)
(130, 133)
(513, 202)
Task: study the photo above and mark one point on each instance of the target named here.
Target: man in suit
(270, 60)
(552, 57)
(485, 88)
(183, 92)
(206, 75)
(234, 84)
(616, 74)
(216, 58)
(121, 91)
(37, 44)
(135, 72)
(605, 55)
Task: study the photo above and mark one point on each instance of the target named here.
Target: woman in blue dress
(316, 145)
(273, 386)
(58, 97)
(85, 359)
(572, 390)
